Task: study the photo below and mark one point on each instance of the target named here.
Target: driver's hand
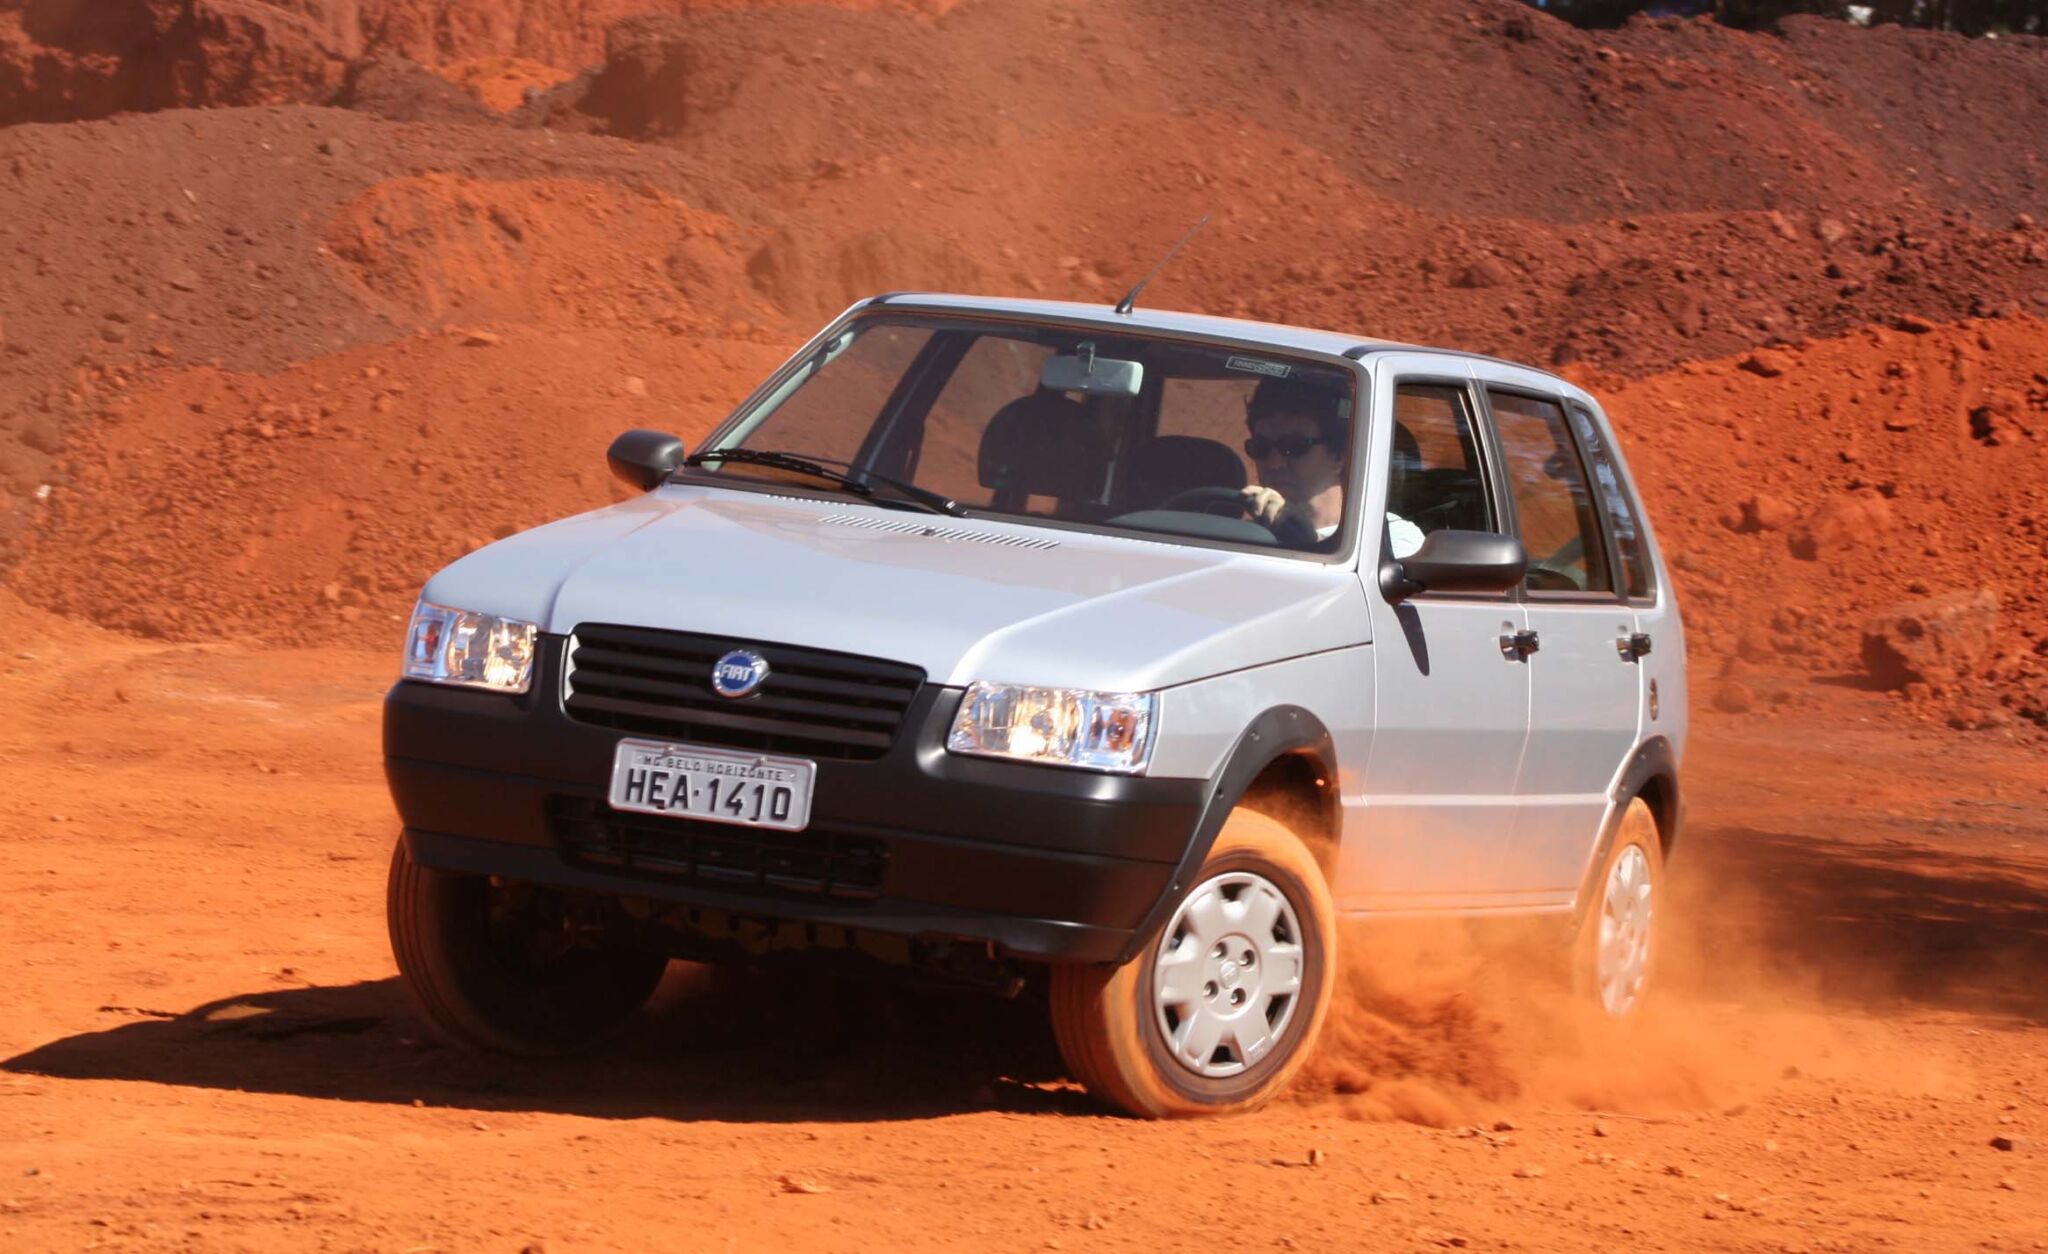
(1263, 505)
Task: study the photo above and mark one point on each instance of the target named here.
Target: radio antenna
(1131, 297)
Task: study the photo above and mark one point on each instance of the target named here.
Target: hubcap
(1228, 974)
(1624, 953)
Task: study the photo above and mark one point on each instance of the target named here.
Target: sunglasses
(1260, 447)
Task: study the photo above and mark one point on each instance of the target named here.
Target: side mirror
(643, 458)
(1456, 561)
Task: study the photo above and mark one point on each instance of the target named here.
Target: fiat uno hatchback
(999, 637)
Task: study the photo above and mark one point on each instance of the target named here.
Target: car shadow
(1875, 923)
(707, 1048)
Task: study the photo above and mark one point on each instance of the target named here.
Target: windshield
(1088, 427)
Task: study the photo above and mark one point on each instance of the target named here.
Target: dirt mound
(310, 503)
(206, 240)
(430, 248)
(69, 60)
(1296, 238)
(1815, 494)
(1476, 110)
(1428, 214)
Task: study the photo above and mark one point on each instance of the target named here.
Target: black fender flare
(1282, 730)
(1651, 773)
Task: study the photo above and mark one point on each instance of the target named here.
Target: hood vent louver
(935, 531)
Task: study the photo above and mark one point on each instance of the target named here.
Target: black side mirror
(1456, 561)
(644, 458)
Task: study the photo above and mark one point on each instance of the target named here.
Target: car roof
(1277, 334)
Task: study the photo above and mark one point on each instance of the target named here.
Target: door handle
(1633, 647)
(1518, 646)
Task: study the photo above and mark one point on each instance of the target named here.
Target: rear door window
(1554, 506)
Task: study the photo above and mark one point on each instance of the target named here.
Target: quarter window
(1621, 511)
(1560, 523)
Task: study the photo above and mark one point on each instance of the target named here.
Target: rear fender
(1651, 773)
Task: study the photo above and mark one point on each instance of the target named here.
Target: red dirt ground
(265, 364)
(206, 1046)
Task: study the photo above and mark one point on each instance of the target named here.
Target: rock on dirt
(391, 86)
(1841, 523)
(1485, 272)
(1734, 697)
(1767, 363)
(1765, 512)
(1939, 640)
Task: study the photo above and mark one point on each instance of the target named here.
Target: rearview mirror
(1082, 371)
(644, 458)
(1456, 561)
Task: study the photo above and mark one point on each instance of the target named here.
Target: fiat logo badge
(738, 673)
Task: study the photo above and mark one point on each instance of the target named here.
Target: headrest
(1407, 450)
(1043, 445)
(1172, 464)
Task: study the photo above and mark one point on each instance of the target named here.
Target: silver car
(1116, 652)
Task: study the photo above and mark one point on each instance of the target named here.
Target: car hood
(964, 599)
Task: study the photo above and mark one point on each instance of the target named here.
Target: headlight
(447, 646)
(1098, 731)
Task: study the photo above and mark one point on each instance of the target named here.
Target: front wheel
(513, 968)
(1219, 1012)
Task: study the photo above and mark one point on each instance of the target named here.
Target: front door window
(1434, 476)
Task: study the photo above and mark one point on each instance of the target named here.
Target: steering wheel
(1290, 529)
(1554, 573)
(1203, 500)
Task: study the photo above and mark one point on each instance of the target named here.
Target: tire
(513, 969)
(1118, 1027)
(1622, 919)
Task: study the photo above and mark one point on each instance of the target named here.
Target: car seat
(1042, 445)
(1404, 473)
(1168, 465)
(1448, 496)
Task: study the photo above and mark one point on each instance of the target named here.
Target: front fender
(1279, 731)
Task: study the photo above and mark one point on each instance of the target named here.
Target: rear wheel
(1615, 954)
(1218, 1013)
(513, 968)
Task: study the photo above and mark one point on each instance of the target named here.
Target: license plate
(712, 785)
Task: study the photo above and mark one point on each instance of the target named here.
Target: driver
(1300, 432)
(1299, 435)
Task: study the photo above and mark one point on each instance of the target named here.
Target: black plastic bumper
(1045, 862)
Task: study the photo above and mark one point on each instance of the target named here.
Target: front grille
(813, 703)
(752, 860)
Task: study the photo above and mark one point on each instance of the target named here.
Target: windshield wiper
(861, 484)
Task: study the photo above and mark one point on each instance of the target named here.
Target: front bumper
(1044, 862)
